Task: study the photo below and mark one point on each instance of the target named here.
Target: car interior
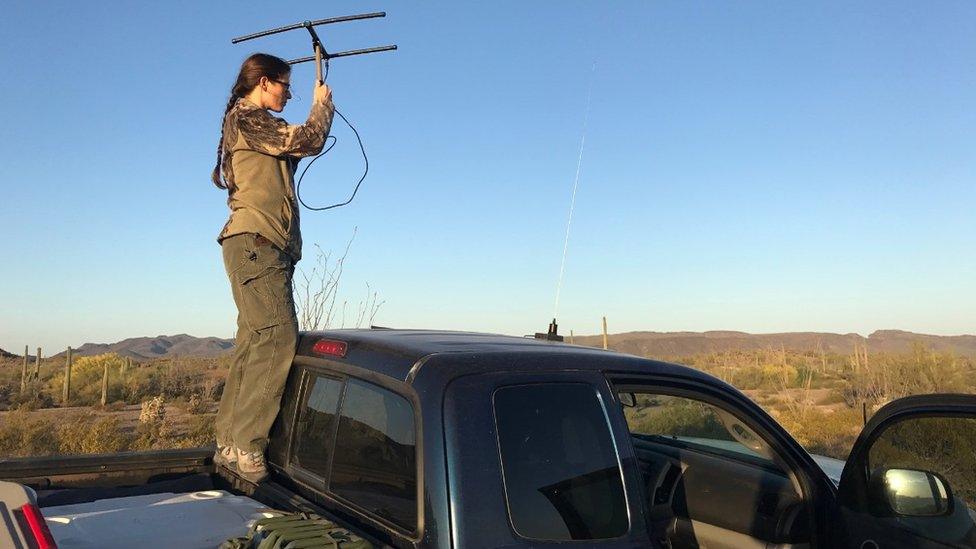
(710, 481)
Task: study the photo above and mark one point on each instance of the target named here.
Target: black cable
(298, 189)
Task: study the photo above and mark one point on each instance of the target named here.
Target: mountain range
(648, 344)
(148, 348)
(678, 344)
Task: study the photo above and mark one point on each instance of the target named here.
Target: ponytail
(217, 175)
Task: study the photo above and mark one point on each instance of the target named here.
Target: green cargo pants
(267, 333)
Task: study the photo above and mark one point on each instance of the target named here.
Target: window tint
(316, 426)
(562, 477)
(686, 421)
(375, 455)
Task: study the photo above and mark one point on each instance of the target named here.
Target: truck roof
(397, 353)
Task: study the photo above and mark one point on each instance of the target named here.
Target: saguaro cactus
(66, 394)
(23, 371)
(105, 384)
(37, 364)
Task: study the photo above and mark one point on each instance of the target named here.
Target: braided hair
(252, 69)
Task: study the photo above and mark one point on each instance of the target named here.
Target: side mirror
(914, 493)
(628, 400)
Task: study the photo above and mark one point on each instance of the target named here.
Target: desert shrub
(138, 384)
(86, 379)
(22, 434)
(887, 377)
(197, 405)
(216, 391)
(6, 395)
(825, 432)
(178, 379)
(92, 434)
(116, 406)
(674, 416)
(200, 432)
(155, 435)
(33, 397)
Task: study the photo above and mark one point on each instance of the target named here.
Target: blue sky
(755, 166)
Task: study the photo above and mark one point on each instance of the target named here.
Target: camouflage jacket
(260, 155)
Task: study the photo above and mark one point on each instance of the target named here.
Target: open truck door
(910, 480)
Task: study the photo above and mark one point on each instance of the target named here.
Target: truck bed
(173, 498)
(202, 519)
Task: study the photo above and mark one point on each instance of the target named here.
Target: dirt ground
(128, 415)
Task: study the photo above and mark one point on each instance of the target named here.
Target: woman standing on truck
(256, 159)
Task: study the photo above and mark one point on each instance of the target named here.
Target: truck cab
(440, 439)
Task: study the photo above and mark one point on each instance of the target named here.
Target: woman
(256, 160)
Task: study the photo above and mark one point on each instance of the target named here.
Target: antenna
(321, 54)
(552, 335)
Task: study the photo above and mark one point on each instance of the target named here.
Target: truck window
(316, 426)
(374, 465)
(709, 479)
(561, 472)
(666, 418)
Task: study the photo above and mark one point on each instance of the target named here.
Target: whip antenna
(572, 204)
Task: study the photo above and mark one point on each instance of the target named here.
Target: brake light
(330, 347)
(38, 527)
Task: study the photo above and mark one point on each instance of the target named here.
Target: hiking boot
(225, 456)
(251, 465)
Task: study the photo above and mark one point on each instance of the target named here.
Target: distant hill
(649, 344)
(677, 344)
(148, 348)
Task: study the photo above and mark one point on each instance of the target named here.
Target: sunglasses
(287, 85)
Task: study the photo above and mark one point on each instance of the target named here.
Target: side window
(709, 480)
(675, 419)
(562, 476)
(316, 426)
(375, 454)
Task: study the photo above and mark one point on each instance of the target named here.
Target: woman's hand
(323, 93)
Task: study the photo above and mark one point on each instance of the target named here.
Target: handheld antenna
(320, 55)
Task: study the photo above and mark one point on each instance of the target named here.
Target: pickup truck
(424, 439)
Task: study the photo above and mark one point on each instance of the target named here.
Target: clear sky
(756, 166)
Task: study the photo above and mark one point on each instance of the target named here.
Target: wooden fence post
(37, 364)
(605, 346)
(66, 393)
(23, 371)
(105, 385)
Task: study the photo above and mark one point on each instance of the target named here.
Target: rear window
(562, 476)
(375, 463)
(316, 426)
